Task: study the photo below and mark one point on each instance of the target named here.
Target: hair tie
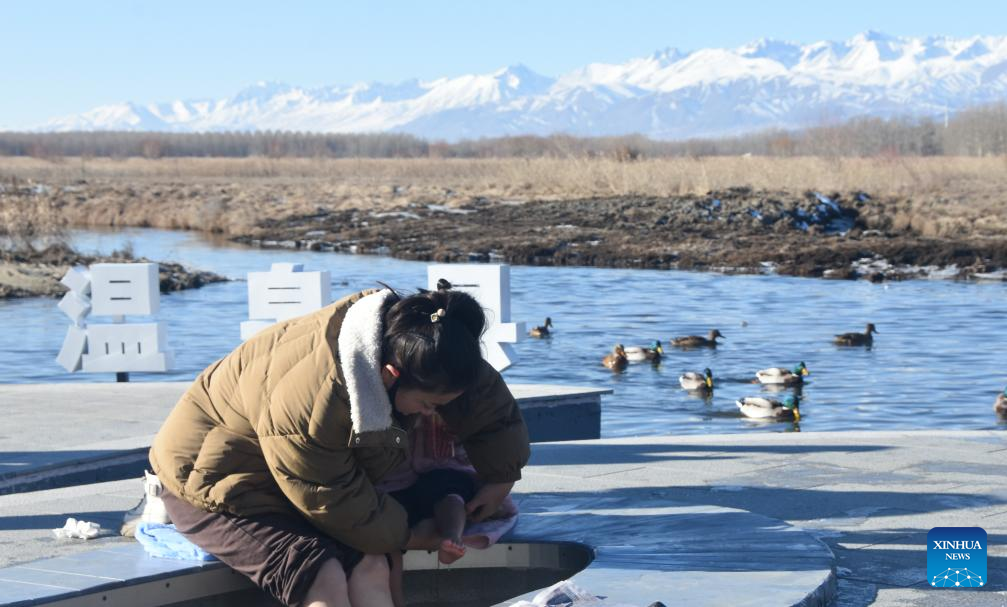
(438, 315)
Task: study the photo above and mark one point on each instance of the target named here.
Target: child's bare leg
(449, 516)
(395, 577)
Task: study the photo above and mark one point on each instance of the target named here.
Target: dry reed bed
(936, 196)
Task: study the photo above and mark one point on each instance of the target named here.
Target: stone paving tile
(26, 520)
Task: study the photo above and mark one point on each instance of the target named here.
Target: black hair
(432, 338)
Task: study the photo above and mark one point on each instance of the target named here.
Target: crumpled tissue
(79, 529)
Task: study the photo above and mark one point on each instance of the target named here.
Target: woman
(269, 459)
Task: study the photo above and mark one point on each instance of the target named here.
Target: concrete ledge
(560, 413)
(57, 435)
(633, 552)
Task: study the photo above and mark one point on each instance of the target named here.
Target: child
(435, 483)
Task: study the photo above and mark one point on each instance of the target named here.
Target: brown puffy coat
(273, 427)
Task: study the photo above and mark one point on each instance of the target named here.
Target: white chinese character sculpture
(285, 291)
(490, 285)
(117, 290)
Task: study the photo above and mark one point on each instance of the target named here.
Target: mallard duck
(786, 377)
(857, 339)
(757, 407)
(638, 354)
(697, 341)
(1000, 406)
(542, 331)
(697, 382)
(617, 360)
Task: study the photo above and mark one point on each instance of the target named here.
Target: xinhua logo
(956, 557)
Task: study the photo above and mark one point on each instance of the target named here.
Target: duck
(1000, 406)
(542, 331)
(757, 407)
(697, 382)
(786, 377)
(857, 339)
(617, 360)
(638, 354)
(697, 341)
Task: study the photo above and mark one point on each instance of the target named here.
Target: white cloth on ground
(77, 529)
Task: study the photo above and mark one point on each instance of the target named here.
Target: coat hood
(359, 343)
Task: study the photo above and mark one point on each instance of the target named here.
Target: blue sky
(64, 57)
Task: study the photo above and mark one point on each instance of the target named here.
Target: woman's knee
(329, 586)
(373, 568)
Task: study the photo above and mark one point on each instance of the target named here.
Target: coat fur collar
(359, 343)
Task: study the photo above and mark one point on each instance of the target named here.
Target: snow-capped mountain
(668, 95)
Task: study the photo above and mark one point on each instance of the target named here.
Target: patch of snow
(399, 214)
(440, 208)
(827, 203)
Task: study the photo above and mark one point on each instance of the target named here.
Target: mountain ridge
(669, 94)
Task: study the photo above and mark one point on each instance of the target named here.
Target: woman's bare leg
(369, 583)
(398, 597)
(329, 588)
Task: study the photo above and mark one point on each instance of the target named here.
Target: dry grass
(546, 177)
(935, 196)
(27, 224)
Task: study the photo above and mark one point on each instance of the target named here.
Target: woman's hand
(424, 536)
(487, 501)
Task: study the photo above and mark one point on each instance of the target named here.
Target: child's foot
(450, 551)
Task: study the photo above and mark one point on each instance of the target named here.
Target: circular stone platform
(653, 550)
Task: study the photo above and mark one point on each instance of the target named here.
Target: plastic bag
(568, 594)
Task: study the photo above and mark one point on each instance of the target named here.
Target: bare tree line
(978, 131)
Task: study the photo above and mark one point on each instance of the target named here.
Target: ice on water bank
(440, 208)
(999, 275)
(879, 266)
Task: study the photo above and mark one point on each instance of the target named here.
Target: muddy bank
(849, 235)
(37, 273)
(944, 230)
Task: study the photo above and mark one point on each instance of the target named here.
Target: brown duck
(1000, 406)
(697, 341)
(857, 339)
(617, 360)
(542, 331)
